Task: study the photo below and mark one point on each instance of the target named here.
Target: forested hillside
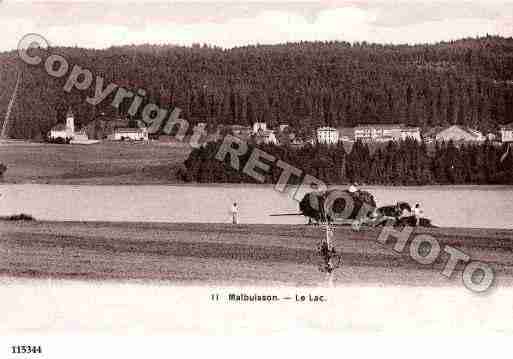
(468, 82)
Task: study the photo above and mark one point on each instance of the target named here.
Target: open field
(236, 255)
(103, 163)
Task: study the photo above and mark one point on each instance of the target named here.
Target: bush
(59, 140)
(19, 217)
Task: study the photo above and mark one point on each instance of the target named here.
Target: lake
(453, 206)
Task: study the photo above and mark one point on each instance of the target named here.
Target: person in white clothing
(417, 212)
(235, 214)
(327, 250)
(353, 189)
(329, 236)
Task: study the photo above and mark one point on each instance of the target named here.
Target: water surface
(454, 206)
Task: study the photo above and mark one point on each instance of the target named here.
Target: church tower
(70, 124)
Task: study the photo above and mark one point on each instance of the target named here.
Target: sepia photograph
(218, 168)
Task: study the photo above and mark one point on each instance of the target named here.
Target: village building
(130, 134)
(346, 134)
(267, 137)
(283, 126)
(81, 138)
(311, 140)
(386, 132)
(64, 131)
(377, 132)
(102, 128)
(429, 135)
(58, 131)
(507, 133)
(411, 133)
(327, 135)
(257, 126)
(457, 133)
(491, 137)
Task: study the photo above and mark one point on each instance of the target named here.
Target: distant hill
(308, 84)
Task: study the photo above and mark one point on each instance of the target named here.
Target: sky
(228, 23)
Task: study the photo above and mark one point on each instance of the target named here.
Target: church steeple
(70, 124)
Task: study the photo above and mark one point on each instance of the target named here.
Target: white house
(459, 134)
(378, 132)
(64, 131)
(133, 134)
(80, 135)
(386, 132)
(257, 126)
(267, 137)
(491, 136)
(507, 132)
(327, 135)
(410, 132)
(81, 138)
(58, 131)
(283, 126)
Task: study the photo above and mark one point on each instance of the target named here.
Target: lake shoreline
(112, 163)
(75, 182)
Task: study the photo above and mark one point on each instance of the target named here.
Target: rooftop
(470, 131)
(240, 127)
(265, 133)
(474, 132)
(384, 126)
(129, 130)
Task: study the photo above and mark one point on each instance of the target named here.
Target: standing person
(327, 250)
(329, 236)
(417, 211)
(235, 213)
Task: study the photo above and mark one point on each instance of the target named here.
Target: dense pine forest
(396, 163)
(467, 82)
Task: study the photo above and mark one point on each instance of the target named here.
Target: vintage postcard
(221, 168)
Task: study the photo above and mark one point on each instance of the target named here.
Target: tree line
(306, 84)
(396, 163)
